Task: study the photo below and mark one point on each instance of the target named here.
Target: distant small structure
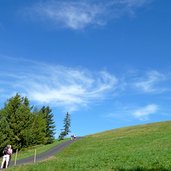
(73, 137)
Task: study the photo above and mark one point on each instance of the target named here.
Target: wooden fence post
(15, 162)
(35, 156)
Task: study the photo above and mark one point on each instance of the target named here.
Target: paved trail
(44, 155)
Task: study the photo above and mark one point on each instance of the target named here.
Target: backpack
(5, 151)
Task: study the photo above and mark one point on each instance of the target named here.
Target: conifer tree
(4, 131)
(50, 127)
(23, 126)
(38, 129)
(67, 124)
(18, 116)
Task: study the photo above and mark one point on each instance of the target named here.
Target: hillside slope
(143, 147)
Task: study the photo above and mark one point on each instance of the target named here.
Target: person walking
(6, 157)
(10, 151)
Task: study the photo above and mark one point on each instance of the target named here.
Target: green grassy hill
(143, 147)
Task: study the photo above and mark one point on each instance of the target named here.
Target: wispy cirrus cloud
(55, 85)
(80, 14)
(127, 112)
(73, 88)
(75, 15)
(151, 82)
(144, 112)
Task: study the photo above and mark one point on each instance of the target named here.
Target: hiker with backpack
(7, 152)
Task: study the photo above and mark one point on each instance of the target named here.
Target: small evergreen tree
(67, 124)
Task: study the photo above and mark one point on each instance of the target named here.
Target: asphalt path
(44, 155)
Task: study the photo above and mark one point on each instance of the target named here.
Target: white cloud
(129, 112)
(80, 14)
(74, 15)
(144, 112)
(150, 82)
(56, 85)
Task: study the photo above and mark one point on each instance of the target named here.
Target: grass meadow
(137, 148)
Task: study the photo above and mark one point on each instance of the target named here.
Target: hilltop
(142, 147)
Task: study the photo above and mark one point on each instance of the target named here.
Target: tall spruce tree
(67, 124)
(50, 124)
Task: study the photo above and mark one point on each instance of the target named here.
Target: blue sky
(105, 62)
